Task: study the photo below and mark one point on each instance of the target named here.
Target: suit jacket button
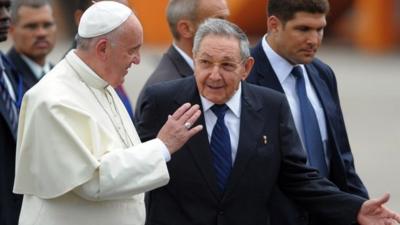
(221, 213)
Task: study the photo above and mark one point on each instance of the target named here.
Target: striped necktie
(221, 147)
(9, 108)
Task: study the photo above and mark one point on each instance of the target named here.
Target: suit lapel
(198, 145)
(251, 124)
(29, 79)
(181, 65)
(265, 72)
(323, 93)
(330, 109)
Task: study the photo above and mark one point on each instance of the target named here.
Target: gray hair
(16, 4)
(178, 10)
(86, 43)
(223, 28)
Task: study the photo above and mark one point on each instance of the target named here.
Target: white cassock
(79, 159)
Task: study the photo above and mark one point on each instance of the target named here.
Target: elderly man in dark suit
(295, 31)
(10, 97)
(183, 17)
(226, 173)
(33, 31)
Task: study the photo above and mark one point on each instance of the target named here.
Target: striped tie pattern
(221, 147)
(311, 132)
(9, 104)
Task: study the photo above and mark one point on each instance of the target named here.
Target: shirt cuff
(163, 149)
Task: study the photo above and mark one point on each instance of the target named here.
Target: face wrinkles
(4, 18)
(299, 39)
(218, 68)
(124, 51)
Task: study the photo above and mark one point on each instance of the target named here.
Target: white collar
(233, 103)
(84, 71)
(280, 65)
(185, 56)
(37, 69)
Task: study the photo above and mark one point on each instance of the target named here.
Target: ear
(11, 31)
(77, 16)
(273, 23)
(101, 48)
(186, 29)
(248, 65)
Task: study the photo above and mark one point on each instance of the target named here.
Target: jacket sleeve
(126, 172)
(305, 185)
(354, 184)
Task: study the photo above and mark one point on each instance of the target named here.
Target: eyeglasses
(225, 66)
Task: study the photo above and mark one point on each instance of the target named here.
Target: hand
(373, 212)
(177, 130)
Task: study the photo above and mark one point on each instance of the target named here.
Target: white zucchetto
(102, 18)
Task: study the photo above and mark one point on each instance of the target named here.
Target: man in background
(80, 9)
(33, 31)
(285, 61)
(183, 17)
(11, 92)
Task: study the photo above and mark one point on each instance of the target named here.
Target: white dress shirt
(185, 56)
(282, 69)
(38, 70)
(232, 119)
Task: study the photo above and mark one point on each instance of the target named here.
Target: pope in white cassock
(79, 159)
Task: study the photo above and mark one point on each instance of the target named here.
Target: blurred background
(361, 44)
(370, 25)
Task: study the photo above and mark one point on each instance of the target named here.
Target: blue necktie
(311, 132)
(221, 147)
(9, 105)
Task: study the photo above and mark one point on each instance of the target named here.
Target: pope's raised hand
(178, 128)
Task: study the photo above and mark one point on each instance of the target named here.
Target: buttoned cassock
(73, 164)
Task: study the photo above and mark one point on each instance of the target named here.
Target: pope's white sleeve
(126, 172)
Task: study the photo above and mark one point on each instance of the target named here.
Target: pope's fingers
(188, 114)
(194, 130)
(192, 119)
(180, 111)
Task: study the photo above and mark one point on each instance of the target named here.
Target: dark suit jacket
(10, 203)
(342, 171)
(28, 76)
(192, 196)
(172, 66)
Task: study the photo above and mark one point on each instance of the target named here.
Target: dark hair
(286, 9)
(83, 4)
